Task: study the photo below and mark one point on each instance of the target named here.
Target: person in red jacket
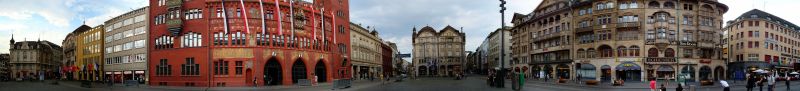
(652, 85)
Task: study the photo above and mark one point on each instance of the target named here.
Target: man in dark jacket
(751, 82)
(679, 88)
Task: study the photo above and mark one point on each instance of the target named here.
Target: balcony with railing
(659, 41)
(628, 24)
(549, 36)
(584, 29)
(174, 2)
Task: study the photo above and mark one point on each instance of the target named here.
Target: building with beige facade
(438, 53)
(36, 60)
(495, 44)
(125, 52)
(760, 40)
(628, 40)
(366, 47)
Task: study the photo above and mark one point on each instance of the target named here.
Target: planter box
(592, 82)
(562, 81)
(706, 82)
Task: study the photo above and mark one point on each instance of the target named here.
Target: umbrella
(794, 73)
(759, 71)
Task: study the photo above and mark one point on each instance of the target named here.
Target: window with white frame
(193, 14)
(164, 42)
(191, 39)
(140, 18)
(139, 44)
(140, 30)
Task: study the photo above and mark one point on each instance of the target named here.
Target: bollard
(691, 88)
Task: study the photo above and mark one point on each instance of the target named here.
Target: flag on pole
(225, 16)
(334, 27)
(246, 25)
(280, 16)
(291, 19)
(263, 25)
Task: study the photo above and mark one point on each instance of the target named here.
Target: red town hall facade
(234, 42)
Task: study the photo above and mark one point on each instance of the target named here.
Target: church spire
(415, 29)
(12, 39)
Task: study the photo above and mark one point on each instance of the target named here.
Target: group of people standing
(754, 80)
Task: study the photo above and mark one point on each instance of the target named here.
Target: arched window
(708, 8)
(633, 51)
(581, 53)
(669, 52)
(622, 51)
(669, 5)
(654, 4)
(652, 52)
(606, 51)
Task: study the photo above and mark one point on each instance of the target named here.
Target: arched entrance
(719, 73)
(273, 74)
(422, 70)
(321, 71)
(298, 71)
(629, 71)
(688, 70)
(705, 73)
(606, 69)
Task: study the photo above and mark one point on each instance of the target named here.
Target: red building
(386, 59)
(237, 42)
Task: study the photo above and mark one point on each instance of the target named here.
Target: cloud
(775, 7)
(395, 19)
(52, 20)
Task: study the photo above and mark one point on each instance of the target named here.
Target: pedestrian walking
(788, 80)
(679, 88)
(770, 82)
(652, 85)
(725, 86)
(663, 88)
(751, 82)
(316, 79)
(255, 81)
(760, 83)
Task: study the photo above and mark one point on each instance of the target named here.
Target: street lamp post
(502, 71)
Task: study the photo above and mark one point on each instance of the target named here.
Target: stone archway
(719, 73)
(273, 74)
(299, 70)
(321, 71)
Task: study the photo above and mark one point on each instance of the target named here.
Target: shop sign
(705, 61)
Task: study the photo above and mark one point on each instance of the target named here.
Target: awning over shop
(605, 67)
(628, 66)
(665, 68)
